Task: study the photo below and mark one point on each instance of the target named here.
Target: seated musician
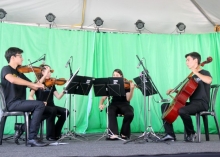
(119, 104)
(14, 84)
(53, 130)
(198, 101)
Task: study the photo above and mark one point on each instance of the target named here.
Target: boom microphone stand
(148, 88)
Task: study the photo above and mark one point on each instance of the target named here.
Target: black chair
(204, 114)
(4, 113)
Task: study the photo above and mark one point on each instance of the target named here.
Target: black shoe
(36, 143)
(18, 132)
(191, 138)
(52, 139)
(167, 137)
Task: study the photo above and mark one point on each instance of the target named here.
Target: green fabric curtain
(98, 54)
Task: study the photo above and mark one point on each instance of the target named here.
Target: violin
(27, 69)
(127, 83)
(53, 81)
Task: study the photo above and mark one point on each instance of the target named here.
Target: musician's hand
(169, 91)
(195, 71)
(101, 107)
(45, 103)
(38, 85)
(132, 85)
(47, 70)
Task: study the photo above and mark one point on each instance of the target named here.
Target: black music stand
(112, 86)
(144, 84)
(149, 89)
(69, 86)
(80, 85)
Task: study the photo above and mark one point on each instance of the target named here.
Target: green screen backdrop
(98, 54)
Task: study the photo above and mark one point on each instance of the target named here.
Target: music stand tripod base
(75, 134)
(69, 135)
(108, 135)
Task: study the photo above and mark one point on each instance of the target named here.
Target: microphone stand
(71, 72)
(149, 132)
(40, 59)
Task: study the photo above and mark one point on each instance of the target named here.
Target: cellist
(198, 101)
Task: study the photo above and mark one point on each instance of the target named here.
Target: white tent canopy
(159, 16)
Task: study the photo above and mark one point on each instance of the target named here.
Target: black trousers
(54, 128)
(191, 108)
(128, 113)
(33, 106)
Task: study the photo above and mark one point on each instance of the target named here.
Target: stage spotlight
(139, 24)
(181, 27)
(2, 13)
(98, 21)
(50, 17)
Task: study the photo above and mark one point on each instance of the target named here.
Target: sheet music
(67, 84)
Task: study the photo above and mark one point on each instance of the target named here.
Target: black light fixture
(50, 17)
(98, 21)
(181, 27)
(2, 13)
(139, 24)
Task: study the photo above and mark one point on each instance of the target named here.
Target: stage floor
(91, 146)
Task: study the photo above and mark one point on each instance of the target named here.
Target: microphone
(163, 100)
(140, 63)
(68, 62)
(141, 74)
(43, 59)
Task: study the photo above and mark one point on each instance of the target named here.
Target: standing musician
(51, 110)
(14, 88)
(119, 104)
(198, 101)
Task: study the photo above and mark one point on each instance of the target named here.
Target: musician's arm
(205, 78)
(169, 91)
(101, 105)
(129, 95)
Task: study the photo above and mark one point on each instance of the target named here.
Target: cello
(189, 85)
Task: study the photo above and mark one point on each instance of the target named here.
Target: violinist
(119, 105)
(53, 129)
(14, 86)
(198, 101)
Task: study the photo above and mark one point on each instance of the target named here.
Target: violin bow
(33, 70)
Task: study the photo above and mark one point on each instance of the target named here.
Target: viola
(27, 69)
(188, 88)
(53, 81)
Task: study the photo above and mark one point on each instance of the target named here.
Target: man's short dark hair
(12, 51)
(194, 55)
